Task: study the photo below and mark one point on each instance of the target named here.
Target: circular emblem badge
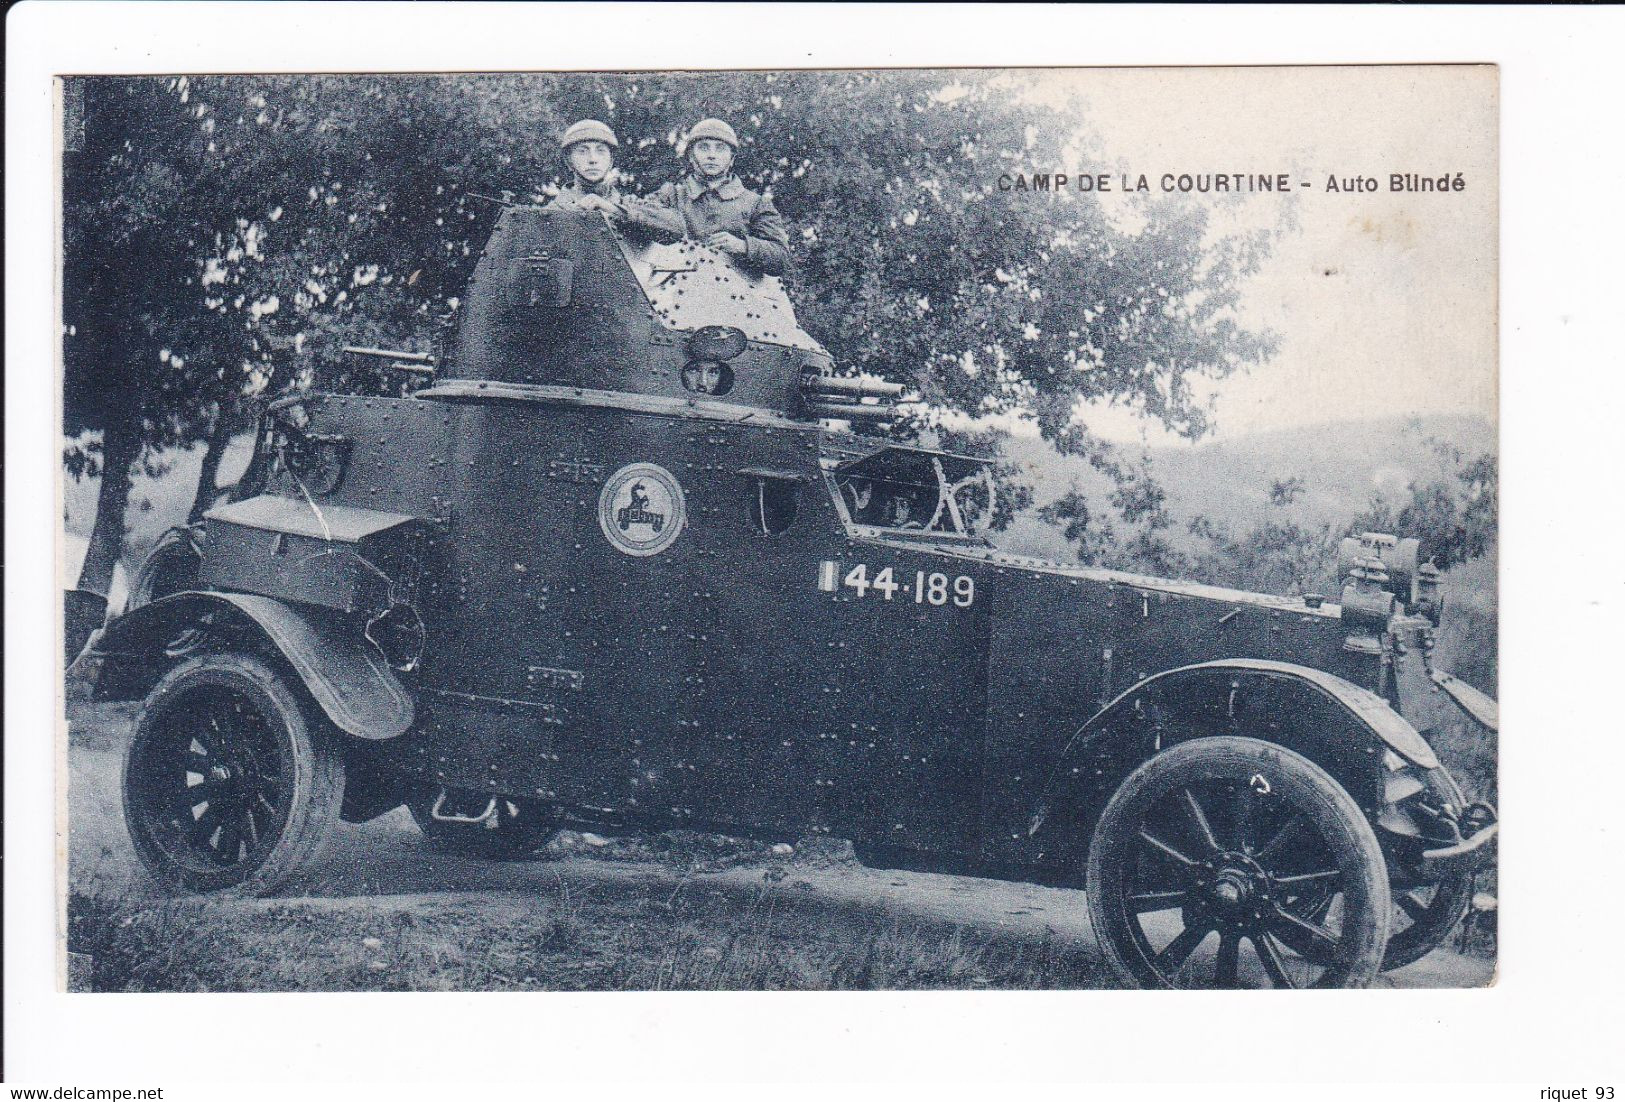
(641, 509)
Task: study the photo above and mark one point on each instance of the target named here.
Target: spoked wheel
(514, 828)
(1427, 910)
(227, 785)
(1230, 862)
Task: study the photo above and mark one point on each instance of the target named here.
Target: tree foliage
(225, 235)
(1453, 512)
(1280, 555)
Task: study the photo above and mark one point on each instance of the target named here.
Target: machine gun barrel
(818, 385)
(419, 363)
(853, 411)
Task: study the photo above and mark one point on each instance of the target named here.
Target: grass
(606, 937)
(128, 945)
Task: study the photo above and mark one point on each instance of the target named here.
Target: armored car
(629, 559)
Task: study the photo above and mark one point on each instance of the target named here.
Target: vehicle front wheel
(228, 784)
(1242, 844)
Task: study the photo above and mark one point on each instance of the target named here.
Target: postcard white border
(1563, 603)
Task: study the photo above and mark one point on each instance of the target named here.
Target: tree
(914, 265)
(218, 236)
(1279, 555)
(225, 235)
(118, 271)
(1286, 491)
(1453, 512)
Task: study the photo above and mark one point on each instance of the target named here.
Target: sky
(1384, 303)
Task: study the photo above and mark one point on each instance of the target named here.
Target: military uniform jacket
(728, 206)
(640, 218)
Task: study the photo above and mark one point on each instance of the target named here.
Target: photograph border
(1547, 1005)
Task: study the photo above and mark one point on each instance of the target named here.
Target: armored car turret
(625, 562)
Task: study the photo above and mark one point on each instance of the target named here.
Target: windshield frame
(838, 469)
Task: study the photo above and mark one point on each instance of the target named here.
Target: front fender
(1347, 730)
(1233, 675)
(344, 673)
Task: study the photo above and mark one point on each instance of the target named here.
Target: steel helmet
(588, 130)
(711, 128)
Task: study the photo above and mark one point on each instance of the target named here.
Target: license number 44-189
(922, 587)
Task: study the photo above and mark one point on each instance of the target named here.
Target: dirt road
(381, 869)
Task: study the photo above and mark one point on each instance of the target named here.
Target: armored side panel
(842, 655)
(627, 632)
(1155, 629)
(1050, 669)
(561, 671)
(389, 455)
(1067, 641)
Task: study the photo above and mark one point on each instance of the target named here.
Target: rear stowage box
(335, 556)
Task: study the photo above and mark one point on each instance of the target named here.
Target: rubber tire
(1313, 791)
(509, 842)
(1450, 901)
(312, 747)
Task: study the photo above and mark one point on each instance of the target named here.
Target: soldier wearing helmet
(718, 210)
(589, 149)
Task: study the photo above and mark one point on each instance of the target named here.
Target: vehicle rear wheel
(1246, 844)
(516, 828)
(228, 784)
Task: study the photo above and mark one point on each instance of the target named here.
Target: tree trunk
(203, 499)
(120, 446)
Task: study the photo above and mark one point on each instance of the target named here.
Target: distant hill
(1343, 465)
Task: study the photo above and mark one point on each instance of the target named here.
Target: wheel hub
(1233, 890)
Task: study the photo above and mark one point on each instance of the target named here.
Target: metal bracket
(488, 815)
